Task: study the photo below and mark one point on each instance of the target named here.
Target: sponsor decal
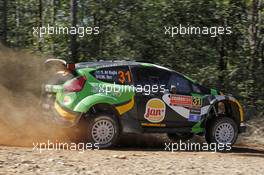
(184, 105)
(194, 118)
(196, 102)
(121, 76)
(180, 100)
(183, 100)
(155, 110)
(67, 100)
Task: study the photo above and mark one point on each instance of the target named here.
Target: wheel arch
(232, 109)
(85, 105)
(103, 108)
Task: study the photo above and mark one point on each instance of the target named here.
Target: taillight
(75, 85)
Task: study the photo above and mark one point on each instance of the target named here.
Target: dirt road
(241, 160)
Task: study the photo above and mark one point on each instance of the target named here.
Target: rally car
(115, 97)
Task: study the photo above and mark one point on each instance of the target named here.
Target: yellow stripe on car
(126, 107)
(64, 114)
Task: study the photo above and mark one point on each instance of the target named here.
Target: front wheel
(103, 130)
(222, 130)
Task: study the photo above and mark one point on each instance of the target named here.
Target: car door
(184, 104)
(150, 84)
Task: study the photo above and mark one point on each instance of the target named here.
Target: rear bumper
(242, 127)
(65, 117)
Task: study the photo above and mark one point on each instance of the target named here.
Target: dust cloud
(22, 120)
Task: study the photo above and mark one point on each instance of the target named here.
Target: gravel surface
(241, 160)
(141, 154)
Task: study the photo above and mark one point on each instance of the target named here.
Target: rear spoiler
(69, 66)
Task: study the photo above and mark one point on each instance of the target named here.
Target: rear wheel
(103, 130)
(222, 130)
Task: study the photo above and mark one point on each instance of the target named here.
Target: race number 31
(124, 76)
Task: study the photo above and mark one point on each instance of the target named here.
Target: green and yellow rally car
(117, 97)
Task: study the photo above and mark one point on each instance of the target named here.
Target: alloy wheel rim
(224, 133)
(103, 131)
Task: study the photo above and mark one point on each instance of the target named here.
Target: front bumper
(242, 127)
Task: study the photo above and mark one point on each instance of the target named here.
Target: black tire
(214, 132)
(103, 127)
(180, 136)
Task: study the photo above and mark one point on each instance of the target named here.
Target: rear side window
(150, 76)
(118, 75)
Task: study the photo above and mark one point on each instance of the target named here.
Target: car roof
(99, 64)
(113, 63)
(106, 63)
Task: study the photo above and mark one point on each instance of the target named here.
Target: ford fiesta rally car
(115, 97)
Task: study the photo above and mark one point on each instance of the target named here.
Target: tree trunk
(40, 24)
(254, 48)
(221, 65)
(262, 55)
(73, 38)
(17, 23)
(54, 14)
(4, 23)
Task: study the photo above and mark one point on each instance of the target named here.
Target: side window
(196, 88)
(200, 89)
(151, 76)
(118, 75)
(182, 84)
